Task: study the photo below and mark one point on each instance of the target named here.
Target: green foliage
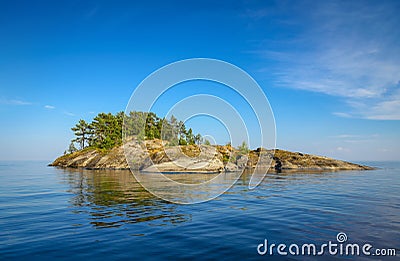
(243, 148)
(182, 141)
(71, 148)
(134, 123)
(225, 158)
(105, 130)
(82, 132)
(190, 137)
(198, 139)
(207, 142)
(228, 158)
(155, 127)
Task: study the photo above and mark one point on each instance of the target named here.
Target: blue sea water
(49, 213)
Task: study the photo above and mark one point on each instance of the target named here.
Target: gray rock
(187, 165)
(241, 162)
(154, 156)
(231, 167)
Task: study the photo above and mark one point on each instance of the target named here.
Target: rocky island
(153, 156)
(154, 144)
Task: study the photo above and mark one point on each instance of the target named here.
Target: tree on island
(243, 148)
(190, 137)
(198, 139)
(82, 132)
(182, 134)
(105, 130)
(71, 148)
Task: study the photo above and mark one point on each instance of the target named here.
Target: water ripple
(71, 214)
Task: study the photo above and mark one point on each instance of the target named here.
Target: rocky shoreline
(154, 156)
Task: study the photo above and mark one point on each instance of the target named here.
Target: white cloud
(69, 113)
(388, 109)
(345, 136)
(14, 102)
(49, 107)
(355, 138)
(342, 149)
(342, 114)
(347, 49)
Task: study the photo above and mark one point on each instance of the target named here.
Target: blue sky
(330, 69)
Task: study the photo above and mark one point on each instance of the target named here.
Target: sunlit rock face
(158, 156)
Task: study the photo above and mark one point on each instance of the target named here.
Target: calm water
(48, 213)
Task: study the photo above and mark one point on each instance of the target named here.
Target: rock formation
(155, 155)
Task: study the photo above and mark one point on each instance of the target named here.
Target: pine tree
(107, 130)
(174, 125)
(71, 148)
(190, 137)
(198, 139)
(82, 132)
(243, 148)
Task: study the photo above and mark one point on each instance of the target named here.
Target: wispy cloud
(69, 113)
(342, 114)
(342, 149)
(345, 136)
(348, 50)
(355, 138)
(385, 109)
(49, 107)
(14, 102)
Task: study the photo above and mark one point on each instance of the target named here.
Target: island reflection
(112, 198)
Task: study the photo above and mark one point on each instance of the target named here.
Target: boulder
(230, 167)
(241, 161)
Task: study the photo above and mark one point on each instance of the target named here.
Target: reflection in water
(187, 188)
(113, 198)
(40, 219)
